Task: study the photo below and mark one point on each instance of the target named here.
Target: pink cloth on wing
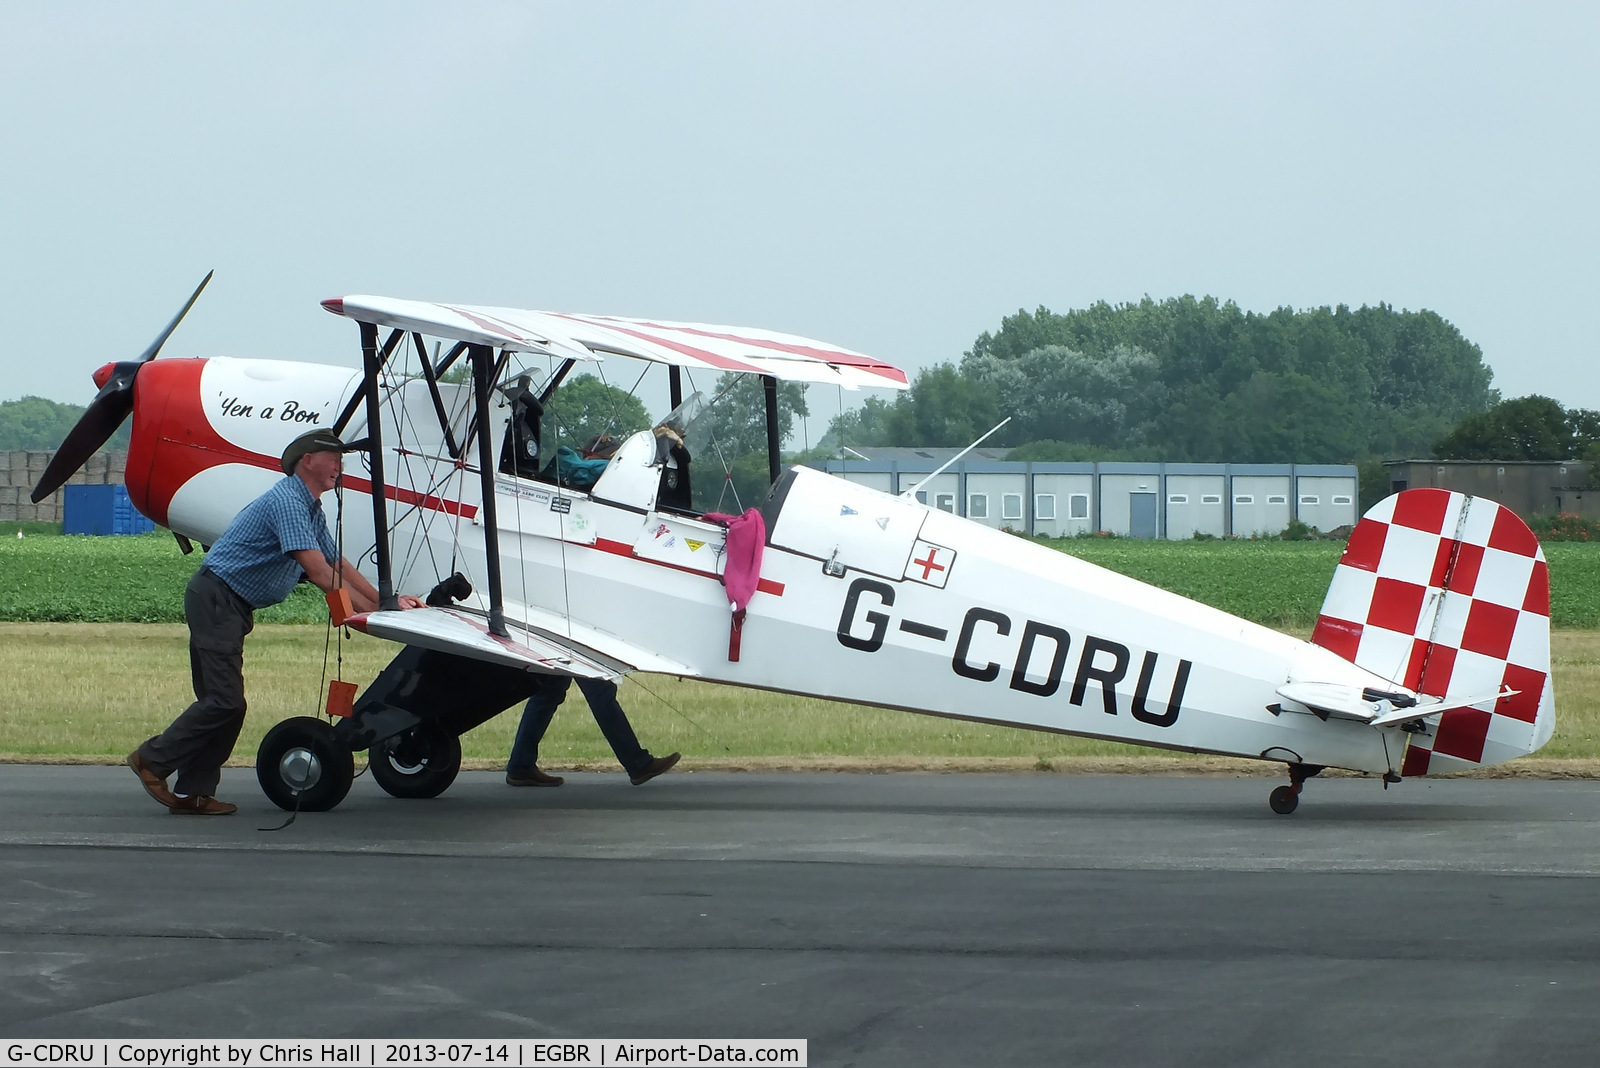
(747, 537)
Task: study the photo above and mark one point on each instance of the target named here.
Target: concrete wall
(1326, 502)
(1524, 487)
(1116, 498)
(1001, 497)
(1195, 505)
(20, 471)
(1260, 504)
(1056, 497)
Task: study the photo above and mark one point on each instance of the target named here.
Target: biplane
(1431, 653)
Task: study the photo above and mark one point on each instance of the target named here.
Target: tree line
(1195, 379)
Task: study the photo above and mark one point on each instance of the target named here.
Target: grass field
(1279, 583)
(95, 690)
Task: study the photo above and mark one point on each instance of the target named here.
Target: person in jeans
(522, 767)
(275, 541)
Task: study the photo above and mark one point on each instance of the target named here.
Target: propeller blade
(161, 339)
(107, 411)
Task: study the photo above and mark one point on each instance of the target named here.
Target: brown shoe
(154, 785)
(654, 768)
(534, 778)
(201, 805)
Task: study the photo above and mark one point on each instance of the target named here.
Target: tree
(1524, 428)
(1276, 417)
(37, 423)
(737, 418)
(585, 406)
(943, 408)
(1056, 393)
(1583, 426)
(860, 427)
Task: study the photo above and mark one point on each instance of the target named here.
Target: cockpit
(646, 469)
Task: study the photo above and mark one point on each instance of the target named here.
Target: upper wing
(450, 630)
(698, 345)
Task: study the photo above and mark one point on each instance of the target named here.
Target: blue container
(101, 510)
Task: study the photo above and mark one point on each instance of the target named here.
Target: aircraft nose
(102, 374)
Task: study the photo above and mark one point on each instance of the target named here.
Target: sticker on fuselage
(930, 564)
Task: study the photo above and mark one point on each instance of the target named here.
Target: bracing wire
(437, 485)
(632, 677)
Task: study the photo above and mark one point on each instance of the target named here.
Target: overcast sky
(894, 178)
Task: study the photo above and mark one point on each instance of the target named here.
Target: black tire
(1284, 800)
(420, 762)
(301, 760)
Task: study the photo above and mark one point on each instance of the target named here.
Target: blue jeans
(602, 697)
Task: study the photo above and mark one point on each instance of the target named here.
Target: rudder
(1449, 595)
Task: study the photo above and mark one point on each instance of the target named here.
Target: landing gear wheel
(301, 760)
(420, 762)
(1284, 799)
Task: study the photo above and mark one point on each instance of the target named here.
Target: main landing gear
(1285, 799)
(410, 721)
(420, 762)
(302, 765)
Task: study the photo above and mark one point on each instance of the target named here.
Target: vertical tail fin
(1449, 595)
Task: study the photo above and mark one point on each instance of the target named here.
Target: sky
(890, 177)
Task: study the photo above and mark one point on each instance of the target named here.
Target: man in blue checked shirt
(277, 539)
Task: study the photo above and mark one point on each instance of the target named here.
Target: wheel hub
(407, 755)
(300, 769)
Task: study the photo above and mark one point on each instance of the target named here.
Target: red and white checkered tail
(1449, 595)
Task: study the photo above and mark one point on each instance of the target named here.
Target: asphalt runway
(888, 919)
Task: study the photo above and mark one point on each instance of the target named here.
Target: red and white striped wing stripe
(1449, 595)
(698, 345)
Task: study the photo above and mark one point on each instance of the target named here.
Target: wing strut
(438, 401)
(372, 363)
(358, 396)
(482, 370)
(769, 386)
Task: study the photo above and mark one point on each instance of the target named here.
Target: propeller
(108, 409)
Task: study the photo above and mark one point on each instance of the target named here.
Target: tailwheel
(302, 765)
(420, 762)
(1284, 799)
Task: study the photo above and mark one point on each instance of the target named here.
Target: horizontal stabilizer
(1426, 707)
(1331, 699)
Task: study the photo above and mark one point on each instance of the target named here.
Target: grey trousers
(201, 739)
